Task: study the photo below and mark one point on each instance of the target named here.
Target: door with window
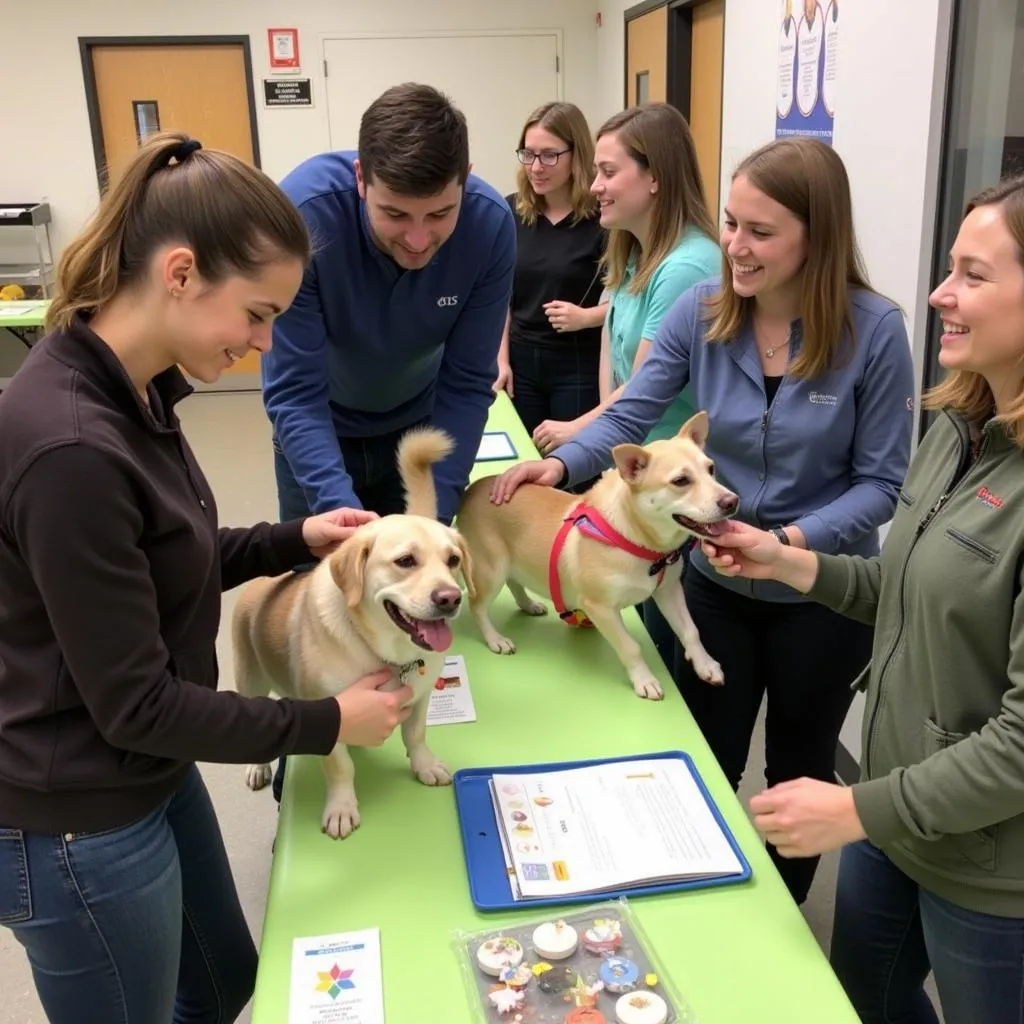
(200, 86)
(675, 53)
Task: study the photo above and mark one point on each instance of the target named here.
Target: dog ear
(348, 567)
(696, 429)
(632, 461)
(467, 567)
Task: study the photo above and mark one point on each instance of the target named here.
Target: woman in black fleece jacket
(113, 873)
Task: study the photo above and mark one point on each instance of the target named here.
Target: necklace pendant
(770, 353)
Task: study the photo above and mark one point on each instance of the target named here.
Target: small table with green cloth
(737, 954)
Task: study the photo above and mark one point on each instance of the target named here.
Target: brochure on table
(609, 826)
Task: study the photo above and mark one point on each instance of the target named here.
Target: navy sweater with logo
(368, 348)
(827, 455)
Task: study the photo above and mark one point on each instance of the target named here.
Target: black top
(555, 262)
(112, 566)
(771, 385)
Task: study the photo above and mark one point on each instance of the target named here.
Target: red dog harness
(592, 524)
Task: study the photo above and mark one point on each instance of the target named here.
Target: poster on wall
(806, 87)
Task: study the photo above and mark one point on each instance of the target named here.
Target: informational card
(451, 700)
(496, 446)
(336, 979)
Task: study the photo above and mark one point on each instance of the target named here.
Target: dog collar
(406, 670)
(592, 524)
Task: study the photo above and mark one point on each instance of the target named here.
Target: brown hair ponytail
(232, 216)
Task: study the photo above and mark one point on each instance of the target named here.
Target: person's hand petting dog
(326, 532)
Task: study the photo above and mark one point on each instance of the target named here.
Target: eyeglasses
(547, 157)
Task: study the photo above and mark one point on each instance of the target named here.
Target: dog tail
(418, 450)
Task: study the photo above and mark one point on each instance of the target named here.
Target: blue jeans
(136, 925)
(889, 933)
(371, 463)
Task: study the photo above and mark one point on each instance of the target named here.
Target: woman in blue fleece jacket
(807, 378)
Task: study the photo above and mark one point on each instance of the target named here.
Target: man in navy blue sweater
(400, 314)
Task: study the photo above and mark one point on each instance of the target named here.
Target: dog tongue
(436, 632)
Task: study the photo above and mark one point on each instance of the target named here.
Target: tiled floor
(230, 435)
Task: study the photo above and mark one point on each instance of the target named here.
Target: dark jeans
(371, 464)
(136, 925)
(888, 933)
(553, 380)
(804, 657)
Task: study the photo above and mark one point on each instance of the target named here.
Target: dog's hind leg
(489, 571)
(526, 603)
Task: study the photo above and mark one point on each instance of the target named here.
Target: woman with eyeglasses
(551, 348)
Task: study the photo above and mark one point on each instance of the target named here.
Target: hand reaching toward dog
(325, 532)
(743, 550)
(368, 713)
(544, 473)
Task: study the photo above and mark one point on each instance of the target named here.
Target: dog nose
(728, 502)
(446, 597)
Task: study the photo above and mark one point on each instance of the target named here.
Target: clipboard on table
(496, 446)
(485, 840)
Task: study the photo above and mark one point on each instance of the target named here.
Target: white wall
(51, 150)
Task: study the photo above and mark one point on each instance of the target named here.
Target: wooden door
(707, 47)
(647, 57)
(197, 88)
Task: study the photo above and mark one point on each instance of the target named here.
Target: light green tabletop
(737, 954)
(23, 313)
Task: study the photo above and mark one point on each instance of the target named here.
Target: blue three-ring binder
(481, 842)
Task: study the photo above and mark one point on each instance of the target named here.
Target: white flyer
(336, 979)
(451, 700)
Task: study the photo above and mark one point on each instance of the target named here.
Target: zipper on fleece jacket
(954, 483)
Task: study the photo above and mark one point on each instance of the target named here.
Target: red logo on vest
(986, 497)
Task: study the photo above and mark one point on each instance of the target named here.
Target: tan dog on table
(614, 548)
(385, 597)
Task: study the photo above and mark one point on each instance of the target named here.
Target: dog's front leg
(341, 809)
(610, 625)
(425, 764)
(671, 601)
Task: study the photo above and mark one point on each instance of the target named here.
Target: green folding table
(23, 317)
(737, 954)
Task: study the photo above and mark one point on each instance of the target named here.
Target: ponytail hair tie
(181, 152)
(186, 149)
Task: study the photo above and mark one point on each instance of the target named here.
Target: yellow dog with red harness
(593, 557)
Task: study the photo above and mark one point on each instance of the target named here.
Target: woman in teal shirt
(662, 240)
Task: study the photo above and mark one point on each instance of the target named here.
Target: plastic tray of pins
(591, 966)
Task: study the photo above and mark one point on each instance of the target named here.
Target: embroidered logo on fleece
(986, 497)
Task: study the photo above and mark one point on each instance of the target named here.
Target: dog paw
(707, 668)
(647, 687)
(257, 776)
(502, 645)
(533, 608)
(341, 816)
(430, 770)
